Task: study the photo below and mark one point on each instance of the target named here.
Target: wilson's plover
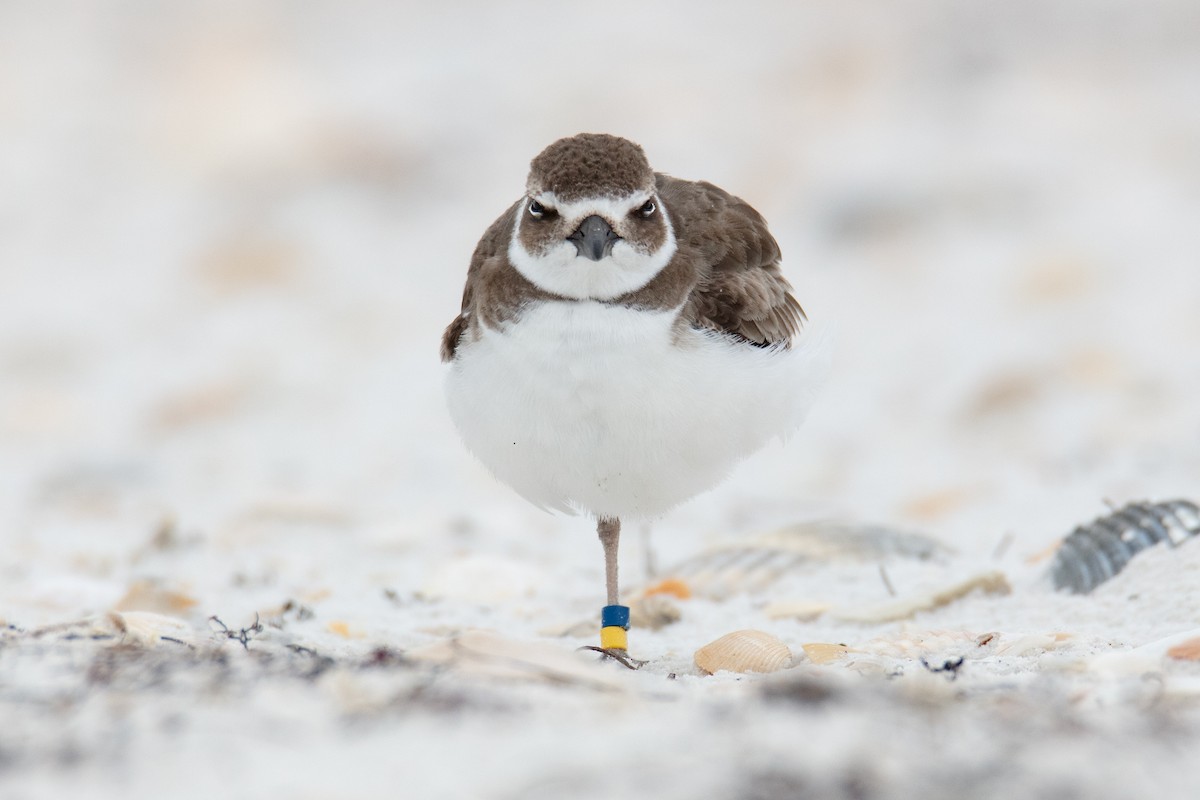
(625, 339)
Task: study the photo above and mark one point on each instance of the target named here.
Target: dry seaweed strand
(242, 635)
(990, 582)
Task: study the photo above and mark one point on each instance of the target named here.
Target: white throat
(562, 271)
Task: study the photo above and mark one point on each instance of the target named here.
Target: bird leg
(615, 618)
(609, 531)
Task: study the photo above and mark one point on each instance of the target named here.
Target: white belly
(583, 406)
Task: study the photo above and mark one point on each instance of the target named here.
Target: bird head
(591, 225)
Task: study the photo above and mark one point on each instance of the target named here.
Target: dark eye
(648, 208)
(536, 209)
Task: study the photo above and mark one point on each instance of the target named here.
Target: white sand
(229, 241)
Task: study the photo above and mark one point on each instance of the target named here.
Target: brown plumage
(726, 268)
(739, 289)
(590, 165)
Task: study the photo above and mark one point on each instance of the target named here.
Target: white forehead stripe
(613, 208)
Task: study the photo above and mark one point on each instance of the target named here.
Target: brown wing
(741, 290)
(494, 244)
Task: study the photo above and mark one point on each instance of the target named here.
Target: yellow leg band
(613, 638)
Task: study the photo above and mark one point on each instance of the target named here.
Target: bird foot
(618, 654)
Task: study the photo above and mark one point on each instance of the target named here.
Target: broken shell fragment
(744, 651)
(1147, 658)
(145, 595)
(653, 612)
(671, 586)
(1185, 651)
(823, 653)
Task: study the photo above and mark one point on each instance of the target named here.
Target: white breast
(583, 406)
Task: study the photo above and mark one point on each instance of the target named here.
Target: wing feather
(494, 244)
(741, 290)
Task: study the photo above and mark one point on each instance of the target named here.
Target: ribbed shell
(744, 651)
(1093, 553)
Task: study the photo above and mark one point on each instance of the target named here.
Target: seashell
(1146, 658)
(912, 643)
(1029, 644)
(1185, 651)
(748, 566)
(992, 582)
(653, 612)
(744, 651)
(824, 653)
(671, 586)
(146, 595)
(1093, 553)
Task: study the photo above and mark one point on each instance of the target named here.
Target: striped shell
(747, 566)
(1093, 553)
(744, 651)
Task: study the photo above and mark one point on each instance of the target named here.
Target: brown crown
(590, 165)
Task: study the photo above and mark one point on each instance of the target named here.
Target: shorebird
(625, 339)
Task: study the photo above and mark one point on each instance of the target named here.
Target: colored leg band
(615, 616)
(613, 637)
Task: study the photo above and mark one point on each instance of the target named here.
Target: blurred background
(231, 234)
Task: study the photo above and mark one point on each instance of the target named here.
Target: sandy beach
(244, 554)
